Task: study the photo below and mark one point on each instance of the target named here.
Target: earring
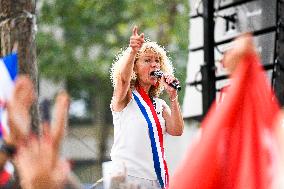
(134, 75)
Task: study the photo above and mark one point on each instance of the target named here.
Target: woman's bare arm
(121, 94)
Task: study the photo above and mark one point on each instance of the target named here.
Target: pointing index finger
(135, 31)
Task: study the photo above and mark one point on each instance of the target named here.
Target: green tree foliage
(79, 39)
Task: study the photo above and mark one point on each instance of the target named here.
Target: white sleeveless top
(132, 145)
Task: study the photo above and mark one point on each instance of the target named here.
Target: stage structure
(213, 26)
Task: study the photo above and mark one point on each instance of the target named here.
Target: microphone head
(157, 74)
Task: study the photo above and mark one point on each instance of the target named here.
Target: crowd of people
(141, 119)
(36, 157)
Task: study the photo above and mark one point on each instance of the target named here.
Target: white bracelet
(174, 98)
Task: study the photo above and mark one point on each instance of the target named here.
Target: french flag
(8, 74)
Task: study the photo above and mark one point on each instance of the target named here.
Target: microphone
(159, 74)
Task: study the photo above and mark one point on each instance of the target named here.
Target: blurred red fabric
(4, 178)
(236, 147)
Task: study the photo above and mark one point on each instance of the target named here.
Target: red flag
(235, 150)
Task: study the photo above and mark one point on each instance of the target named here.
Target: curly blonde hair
(166, 65)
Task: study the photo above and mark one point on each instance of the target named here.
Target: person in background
(8, 178)
(232, 58)
(37, 157)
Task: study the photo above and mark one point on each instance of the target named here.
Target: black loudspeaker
(263, 18)
(279, 52)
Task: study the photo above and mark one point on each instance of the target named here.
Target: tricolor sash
(8, 73)
(155, 134)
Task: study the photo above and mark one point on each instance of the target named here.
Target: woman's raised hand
(136, 40)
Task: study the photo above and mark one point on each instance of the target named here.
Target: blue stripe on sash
(153, 143)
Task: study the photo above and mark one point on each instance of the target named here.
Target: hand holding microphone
(160, 74)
